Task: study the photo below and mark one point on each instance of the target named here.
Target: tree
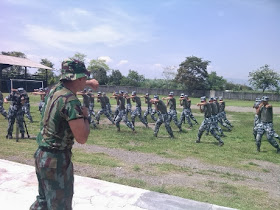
(133, 79)
(264, 78)
(193, 73)
(79, 56)
(14, 70)
(52, 78)
(215, 82)
(115, 78)
(99, 69)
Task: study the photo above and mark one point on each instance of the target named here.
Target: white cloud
(158, 65)
(107, 59)
(122, 62)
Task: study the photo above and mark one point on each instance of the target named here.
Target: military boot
(22, 135)
(259, 148)
(278, 150)
(221, 143)
(197, 141)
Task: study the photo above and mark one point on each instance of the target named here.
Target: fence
(196, 93)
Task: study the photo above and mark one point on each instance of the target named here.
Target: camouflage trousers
(172, 115)
(41, 105)
(106, 113)
(91, 114)
(26, 110)
(208, 125)
(15, 112)
(221, 117)
(215, 125)
(3, 111)
(128, 109)
(54, 171)
(138, 112)
(163, 118)
(108, 107)
(116, 112)
(185, 115)
(151, 112)
(122, 116)
(268, 129)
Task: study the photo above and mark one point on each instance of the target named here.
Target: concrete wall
(196, 93)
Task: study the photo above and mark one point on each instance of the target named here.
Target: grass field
(210, 183)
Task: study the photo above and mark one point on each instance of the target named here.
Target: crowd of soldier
(214, 113)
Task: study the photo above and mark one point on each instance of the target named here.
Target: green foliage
(264, 78)
(133, 79)
(115, 77)
(99, 69)
(193, 73)
(52, 78)
(215, 82)
(79, 56)
(237, 87)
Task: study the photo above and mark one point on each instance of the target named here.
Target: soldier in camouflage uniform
(222, 114)
(108, 105)
(103, 110)
(214, 118)
(186, 113)
(122, 112)
(63, 119)
(16, 99)
(219, 116)
(172, 114)
(128, 109)
(2, 110)
(115, 96)
(256, 118)
(207, 122)
(86, 103)
(26, 105)
(265, 125)
(162, 116)
(42, 94)
(137, 111)
(149, 108)
(91, 107)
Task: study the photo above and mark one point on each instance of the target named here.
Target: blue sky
(237, 36)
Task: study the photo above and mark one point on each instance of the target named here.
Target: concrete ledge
(19, 188)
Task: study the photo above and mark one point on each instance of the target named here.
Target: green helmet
(72, 69)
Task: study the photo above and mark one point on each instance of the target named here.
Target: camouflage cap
(220, 98)
(72, 69)
(182, 95)
(265, 98)
(156, 97)
(20, 89)
(203, 98)
(186, 96)
(133, 93)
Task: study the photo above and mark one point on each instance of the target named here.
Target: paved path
(18, 189)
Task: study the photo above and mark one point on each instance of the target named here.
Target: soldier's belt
(46, 149)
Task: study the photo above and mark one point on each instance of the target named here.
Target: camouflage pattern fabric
(54, 172)
(150, 111)
(122, 116)
(15, 113)
(205, 125)
(138, 112)
(2, 110)
(54, 168)
(172, 115)
(41, 105)
(105, 112)
(91, 114)
(185, 115)
(72, 69)
(61, 106)
(163, 118)
(128, 109)
(223, 117)
(26, 110)
(268, 129)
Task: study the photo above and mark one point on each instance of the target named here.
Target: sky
(237, 36)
